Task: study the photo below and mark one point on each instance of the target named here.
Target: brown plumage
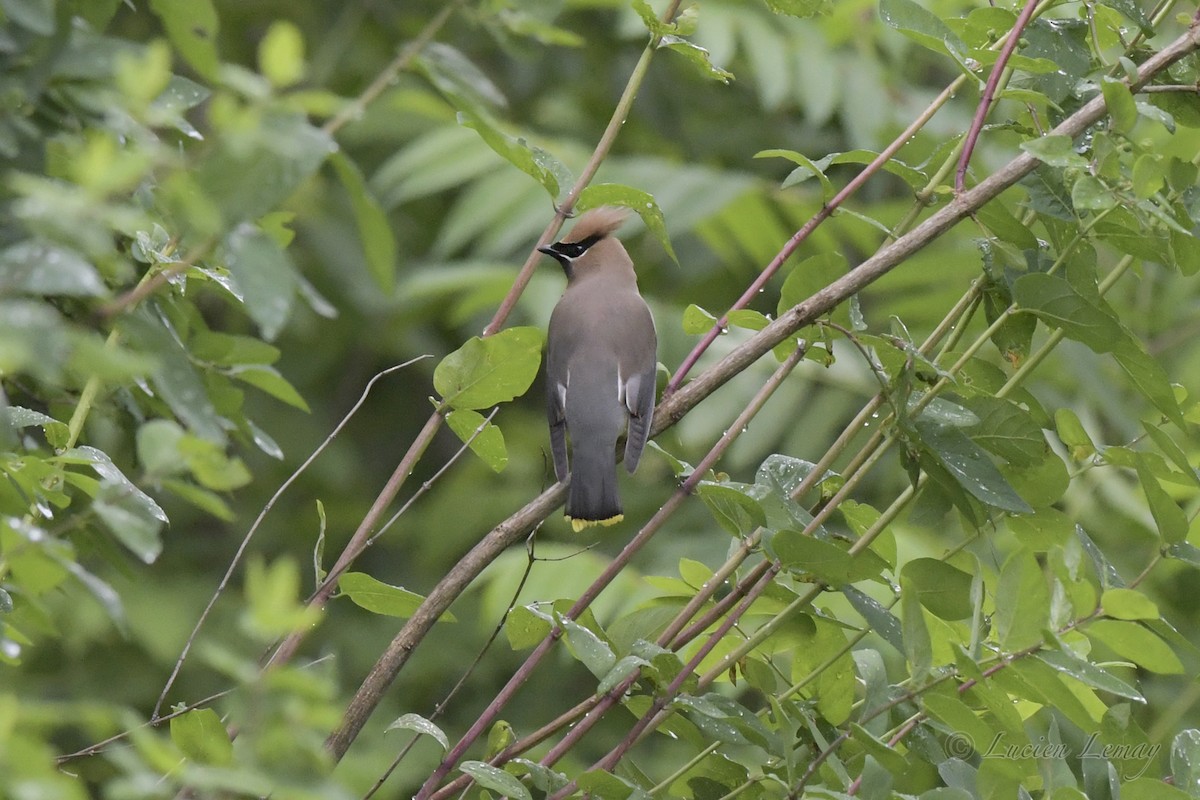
(600, 363)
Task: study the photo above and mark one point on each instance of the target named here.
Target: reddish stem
(989, 94)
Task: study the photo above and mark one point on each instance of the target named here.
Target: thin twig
(237, 556)
(356, 107)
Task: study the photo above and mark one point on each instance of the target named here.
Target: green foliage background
(221, 220)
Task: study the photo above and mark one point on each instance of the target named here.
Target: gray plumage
(600, 365)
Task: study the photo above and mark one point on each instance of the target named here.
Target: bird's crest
(597, 223)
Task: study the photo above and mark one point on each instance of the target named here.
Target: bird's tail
(592, 498)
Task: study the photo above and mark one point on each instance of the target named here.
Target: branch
(677, 405)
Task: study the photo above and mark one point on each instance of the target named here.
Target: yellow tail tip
(578, 525)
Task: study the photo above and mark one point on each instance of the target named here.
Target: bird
(601, 358)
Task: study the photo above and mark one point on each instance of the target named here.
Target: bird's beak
(548, 250)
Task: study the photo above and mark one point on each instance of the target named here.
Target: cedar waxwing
(600, 365)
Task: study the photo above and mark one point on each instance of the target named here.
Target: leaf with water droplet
(969, 465)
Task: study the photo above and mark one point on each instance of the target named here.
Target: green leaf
(250, 175)
(696, 320)
(175, 380)
(1092, 194)
(650, 19)
(969, 466)
(192, 27)
(592, 651)
(888, 757)
(485, 372)
(943, 589)
(735, 510)
(265, 277)
(270, 381)
(1072, 434)
(1007, 430)
(524, 628)
(1044, 530)
(1130, 640)
(1149, 172)
(1054, 300)
(695, 54)
(227, 349)
(1172, 450)
(1119, 101)
(130, 514)
(281, 54)
(1022, 602)
(533, 161)
(382, 598)
(1144, 788)
(918, 647)
(1148, 377)
(379, 245)
(1185, 760)
(202, 737)
(828, 562)
(641, 202)
(748, 318)
(810, 276)
(417, 723)
(1088, 673)
(1170, 519)
(1055, 150)
(542, 778)
(725, 720)
(35, 16)
(273, 607)
(809, 167)
(496, 779)
(487, 441)
(44, 268)
(1128, 604)
(158, 447)
(56, 432)
(918, 23)
(879, 619)
(207, 501)
(798, 8)
(960, 718)
(210, 466)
